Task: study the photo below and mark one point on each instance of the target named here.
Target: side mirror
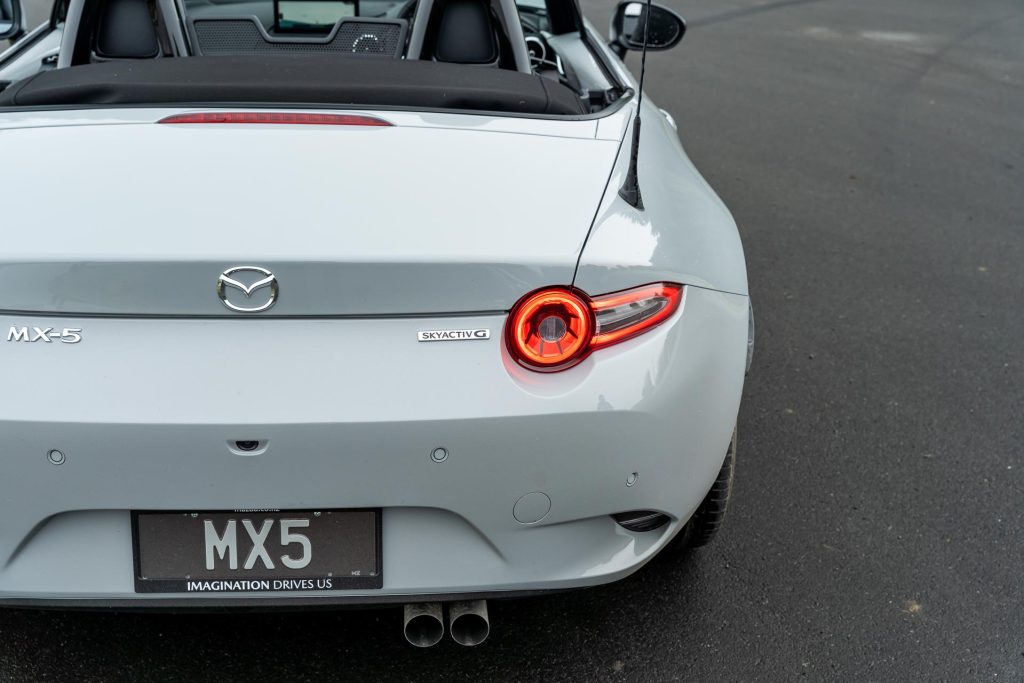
(627, 30)
(10, 19)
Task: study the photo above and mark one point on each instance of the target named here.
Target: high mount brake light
(555, 328)
(270, 117)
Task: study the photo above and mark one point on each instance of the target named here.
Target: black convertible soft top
(296, 79)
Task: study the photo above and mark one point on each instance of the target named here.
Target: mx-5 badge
(47, 335)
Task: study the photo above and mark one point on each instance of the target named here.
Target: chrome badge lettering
(47, 335)
(453, 335)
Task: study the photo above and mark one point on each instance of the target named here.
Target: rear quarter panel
(684, 234)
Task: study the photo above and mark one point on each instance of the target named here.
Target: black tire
(708, 518)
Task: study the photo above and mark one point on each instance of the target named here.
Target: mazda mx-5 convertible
(322, 302)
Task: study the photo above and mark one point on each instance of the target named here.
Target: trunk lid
(429, 216)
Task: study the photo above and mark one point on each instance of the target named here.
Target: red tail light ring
(550, 329)
(555, 328)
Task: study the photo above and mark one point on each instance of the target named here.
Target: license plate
(256, 551)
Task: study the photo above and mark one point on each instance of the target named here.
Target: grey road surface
(873, 154)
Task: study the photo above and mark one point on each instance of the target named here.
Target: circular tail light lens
(555, 328)
(550, 329)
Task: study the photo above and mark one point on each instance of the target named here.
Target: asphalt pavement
(872, 152)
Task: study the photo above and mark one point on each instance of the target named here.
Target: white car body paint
(123, 239)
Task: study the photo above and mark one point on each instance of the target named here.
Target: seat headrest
(466, 33)
(125, 31)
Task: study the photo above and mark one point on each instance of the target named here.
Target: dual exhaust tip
(424, 623)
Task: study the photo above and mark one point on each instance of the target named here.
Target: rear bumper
(350, 410)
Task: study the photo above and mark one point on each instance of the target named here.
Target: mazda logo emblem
(256, 287)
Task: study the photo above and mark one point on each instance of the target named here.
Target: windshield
(319, 16)
(313, 16)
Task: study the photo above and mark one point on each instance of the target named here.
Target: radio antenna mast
(630, 190)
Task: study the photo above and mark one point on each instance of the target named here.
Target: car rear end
(375, 433)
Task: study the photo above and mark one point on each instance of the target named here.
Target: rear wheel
(708, 518)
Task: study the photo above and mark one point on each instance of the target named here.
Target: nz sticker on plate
(452, 335)
(256, 551)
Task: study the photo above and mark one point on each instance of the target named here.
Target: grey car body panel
(685, 233)
(350, 410)
(314, 223)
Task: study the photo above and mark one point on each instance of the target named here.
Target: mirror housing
(627, 28)
(10, 19)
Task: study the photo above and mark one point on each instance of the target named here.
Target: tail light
(553, 329)
(623, 315)
(550, 329)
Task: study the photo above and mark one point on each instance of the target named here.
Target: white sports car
(312, 302)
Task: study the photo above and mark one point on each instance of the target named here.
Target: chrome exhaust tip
(424, 624)
(468, 622)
